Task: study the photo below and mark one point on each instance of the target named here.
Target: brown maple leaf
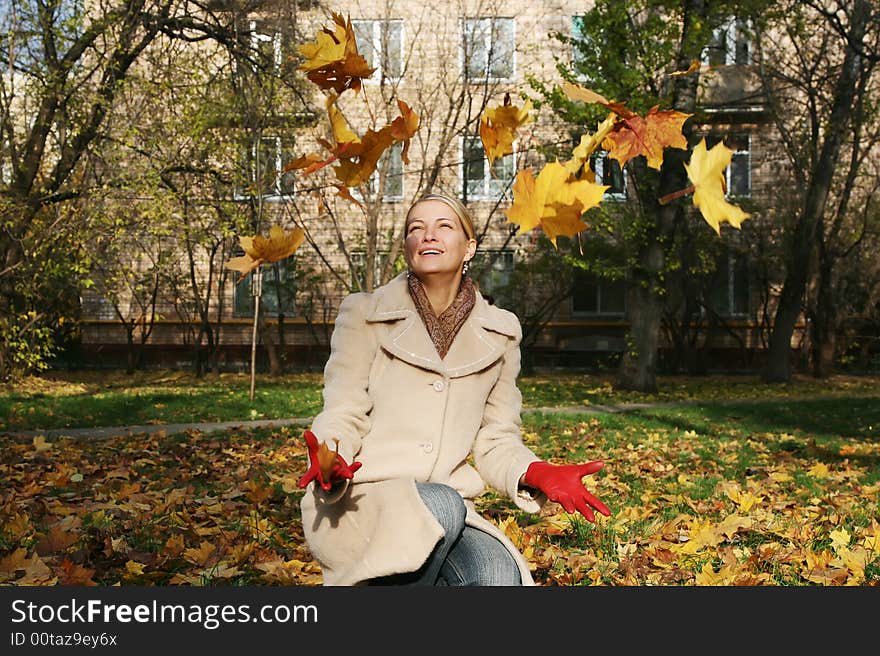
(279, 245)
(332, 61)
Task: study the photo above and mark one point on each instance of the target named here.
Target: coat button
(428, 447)
(439, 385)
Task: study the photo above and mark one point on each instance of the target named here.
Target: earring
(465, 267)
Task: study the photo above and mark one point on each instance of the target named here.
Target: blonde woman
(422, 377)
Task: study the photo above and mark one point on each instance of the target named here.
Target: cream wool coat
(409, 416)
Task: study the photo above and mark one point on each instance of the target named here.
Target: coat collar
(481, 340)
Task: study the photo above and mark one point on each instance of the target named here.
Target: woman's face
(435, 239)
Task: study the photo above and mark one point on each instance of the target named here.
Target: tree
(644, 72)
(818, 68)
(68, 62)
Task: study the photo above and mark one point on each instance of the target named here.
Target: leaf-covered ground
(779, 494)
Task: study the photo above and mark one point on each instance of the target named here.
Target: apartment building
(448, 61)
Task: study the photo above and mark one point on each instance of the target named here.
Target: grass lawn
(745, 485)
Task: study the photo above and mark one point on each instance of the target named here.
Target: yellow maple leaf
(580, 156)
(819, 470)
(839, 539)
(332, 61)
(554, 200)
(498, 126)
(706, 172)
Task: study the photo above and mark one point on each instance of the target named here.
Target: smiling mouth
(431, 252)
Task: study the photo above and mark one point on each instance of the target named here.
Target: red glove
(562, 483)
(340, 470)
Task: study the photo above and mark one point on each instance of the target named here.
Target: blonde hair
(467, 223)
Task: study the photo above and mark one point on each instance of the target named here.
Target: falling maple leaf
(498, 126)
(706, 172)
(554, 200)
(577, 92)
(634, 135)
(647, 136)
(332, 61)
(357, 156)
(580, 156)
(280, 245)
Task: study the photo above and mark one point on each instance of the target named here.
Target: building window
(393, 177)
(729, 296)
(266, 43)
(488, 49)
(482, 182)
(278, 291)
(263, 168)
(492, 270)
(358, 261)
(730, 44)
(380, 42)
(595, 296)
(579, 38)
(608, 172)
(738, 175)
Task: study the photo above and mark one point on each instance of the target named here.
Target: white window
(608, 172)
(738, 176)
(596, 296)
(730, 44)
(480, 181)
(488, 49)
(380, 42)
(266, 43)
(262, 167)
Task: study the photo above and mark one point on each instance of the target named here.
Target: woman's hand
(325, 466)
(562, 483)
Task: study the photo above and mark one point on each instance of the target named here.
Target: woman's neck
(441, 290)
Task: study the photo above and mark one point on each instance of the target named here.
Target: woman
(421, 377)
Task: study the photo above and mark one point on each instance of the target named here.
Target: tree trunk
(778, 367)
(645, 296)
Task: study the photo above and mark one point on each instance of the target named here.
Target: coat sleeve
(347, 404)
(499, 453)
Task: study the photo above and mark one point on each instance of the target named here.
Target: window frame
(488, 78)
(486, 193)
(732, 29)
(379, 29)
(281, 157)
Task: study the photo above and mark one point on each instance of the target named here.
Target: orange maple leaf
(327, 459)
(498, 126)
(706, 172)
(332, 61)
(555, 200)
(647, 136)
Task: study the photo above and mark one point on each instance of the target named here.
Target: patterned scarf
(444, 328)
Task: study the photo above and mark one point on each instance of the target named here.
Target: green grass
(90, 399)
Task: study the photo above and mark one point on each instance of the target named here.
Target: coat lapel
(481, 340)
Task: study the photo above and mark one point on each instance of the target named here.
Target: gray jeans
(464, 555)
